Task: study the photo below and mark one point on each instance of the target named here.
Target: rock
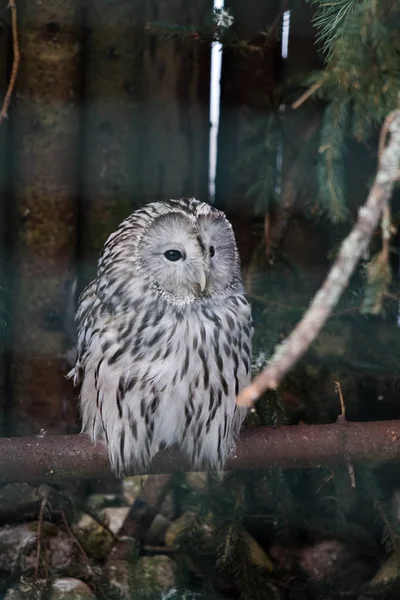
(182, 524)
(388, 572)
(27, 590)
(197, 481)
(14, 594)
(155, 574)
(97, 502)
(132, 487)
(69, 588)
(17, 503)
(64, 555)
(257, 554)
(120, 568)
(335, 561)
(16, 543)
(155, 536)
(60, 551)
(114, 517)
(16, 492)
(18, 552)
(167, 508)
(176, 536)
(96, 540)
(332, 561)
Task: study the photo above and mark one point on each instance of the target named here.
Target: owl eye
(173, 255)
(212, 251)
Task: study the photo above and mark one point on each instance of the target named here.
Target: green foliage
(331, 21)
(302, 512)
(360, 83)
(379, 278)
(360, 39)
(260, 138)
(387, 521)
(331, 164)
(271, 410)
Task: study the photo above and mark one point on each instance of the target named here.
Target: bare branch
(353, 247)
(16, 59)
(55, 458)
(307, 94)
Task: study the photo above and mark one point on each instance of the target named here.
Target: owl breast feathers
(164, 338)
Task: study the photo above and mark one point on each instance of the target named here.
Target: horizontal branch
(54, 458)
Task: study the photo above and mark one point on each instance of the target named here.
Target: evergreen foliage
(331, 167)
(261, 139)
(360, 83)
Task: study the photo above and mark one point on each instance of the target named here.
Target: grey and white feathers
(164, 338)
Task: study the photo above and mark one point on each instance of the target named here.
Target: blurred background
(271, 111)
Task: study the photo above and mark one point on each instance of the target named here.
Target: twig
(342, 418)
(350, 470)
(76, 541)
(353, 247)
(342, 406)
(39, 536)
(16, 58)
(102, 524)
(307, 95)
(46, 562)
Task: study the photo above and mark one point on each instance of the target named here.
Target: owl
(164, 338)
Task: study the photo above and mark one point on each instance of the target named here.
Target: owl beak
(203, 281)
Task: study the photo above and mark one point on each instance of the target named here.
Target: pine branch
(175, 32)
(353, 247)
(56, 458)
(330, 170)
(331, 20)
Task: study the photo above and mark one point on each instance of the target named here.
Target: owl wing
(117, 399)
(88, 309)
(243, 367)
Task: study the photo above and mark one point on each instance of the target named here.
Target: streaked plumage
(164, 344)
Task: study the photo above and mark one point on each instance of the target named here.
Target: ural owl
(164, 338)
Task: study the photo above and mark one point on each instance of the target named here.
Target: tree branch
(353, 247)
(16, 59)
(54, 458)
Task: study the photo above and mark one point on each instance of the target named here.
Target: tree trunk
(45, 129)
(175, 105)
(110, 138)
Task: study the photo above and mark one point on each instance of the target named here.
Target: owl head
(184, 249)
(188, 250)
